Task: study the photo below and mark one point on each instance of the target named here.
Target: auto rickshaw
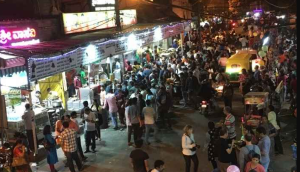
(239, 61)
(256, 104)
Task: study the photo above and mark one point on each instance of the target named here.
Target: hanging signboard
(43, 67)
(15, 35)
(89, 21)
(102, 2)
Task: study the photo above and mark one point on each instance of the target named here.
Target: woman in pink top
(253, 165)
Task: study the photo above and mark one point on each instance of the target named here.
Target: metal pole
(2, 119)
(30, 102)
(117, 10)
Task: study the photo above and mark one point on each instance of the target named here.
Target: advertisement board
(103, 2)
(89, 21)
(18, 35)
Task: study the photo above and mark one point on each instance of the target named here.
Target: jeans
(98, 129)
(278, 144)
(90, 137)
(188, 159)
(135, 128)
(148, 127)
(113, 116)
(214, 164)
(184, 95)
(73, 156)
(79, 147)
(266, 165)
(29, 135)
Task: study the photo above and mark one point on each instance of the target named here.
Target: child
(253, 165)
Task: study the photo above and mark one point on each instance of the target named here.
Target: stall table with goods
(256, 104)
(87, 92)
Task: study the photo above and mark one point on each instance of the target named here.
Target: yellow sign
(88, 21)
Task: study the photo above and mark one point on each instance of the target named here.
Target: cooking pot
(56, 104)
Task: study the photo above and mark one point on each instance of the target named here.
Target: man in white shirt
(150, 116)
(272, 117)
(90, 130)
(273, 120)
(28, 118)
(159, 166)
(244, 41)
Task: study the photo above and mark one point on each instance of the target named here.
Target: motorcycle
(203, 110)
(208, 106)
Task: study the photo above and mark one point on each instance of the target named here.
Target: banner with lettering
(44, 67)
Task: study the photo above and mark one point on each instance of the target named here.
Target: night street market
(200, 85)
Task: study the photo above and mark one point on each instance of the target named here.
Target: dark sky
(16, 9)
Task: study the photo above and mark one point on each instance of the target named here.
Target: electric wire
(279, 6)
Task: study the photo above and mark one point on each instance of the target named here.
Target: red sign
(18, 37)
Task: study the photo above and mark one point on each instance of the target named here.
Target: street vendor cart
(256, 104)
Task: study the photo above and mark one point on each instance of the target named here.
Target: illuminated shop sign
(102, 2)
(18, 37)
(88, 21)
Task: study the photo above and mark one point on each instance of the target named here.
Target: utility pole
(117, 11)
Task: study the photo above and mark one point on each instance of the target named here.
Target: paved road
(113, 152)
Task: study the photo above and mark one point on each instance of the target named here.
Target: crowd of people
(152, 86)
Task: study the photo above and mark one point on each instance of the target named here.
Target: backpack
(47, 145)
(250, 153)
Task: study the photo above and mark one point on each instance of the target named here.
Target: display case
(15, 122)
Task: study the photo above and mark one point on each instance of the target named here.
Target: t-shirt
(82, 77)
(243, 155)
(264, 145)
(258, 168)
(244, 41)
(272, 119)
(230, 124)
(138, 157)
(28, 118)
(224, 157)
(149, 114)
(89, 126)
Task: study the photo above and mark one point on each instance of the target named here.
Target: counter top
(16, 115)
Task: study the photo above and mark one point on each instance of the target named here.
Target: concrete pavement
(113, 152)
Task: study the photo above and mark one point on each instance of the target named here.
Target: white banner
(44, 67)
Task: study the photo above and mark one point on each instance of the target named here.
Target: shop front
(56, 84)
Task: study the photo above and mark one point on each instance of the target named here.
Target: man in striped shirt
(229, 123)
(68, 141)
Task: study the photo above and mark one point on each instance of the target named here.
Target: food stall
(256, 104)
(96, 74)
(16, 95)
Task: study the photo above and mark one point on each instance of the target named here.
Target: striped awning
(9, 61)
(10, 71)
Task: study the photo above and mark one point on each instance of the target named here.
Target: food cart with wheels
(256, 104)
